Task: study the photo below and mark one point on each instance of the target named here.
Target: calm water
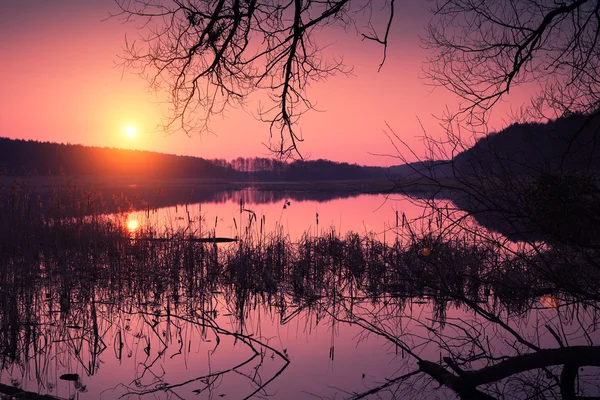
(162, 327)
(289, 214)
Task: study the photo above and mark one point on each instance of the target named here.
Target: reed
(68, 265)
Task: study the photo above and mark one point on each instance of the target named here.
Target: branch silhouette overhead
(212, 54)
(481, 50)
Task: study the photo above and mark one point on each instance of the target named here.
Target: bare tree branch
(211, 55)
(484, 49)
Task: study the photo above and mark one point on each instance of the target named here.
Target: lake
(327, 296)
(237, 213)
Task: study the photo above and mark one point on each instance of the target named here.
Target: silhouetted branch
(466, 382)
(211, 55)
(484, 49)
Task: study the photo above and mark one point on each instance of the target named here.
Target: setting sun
(131, 131)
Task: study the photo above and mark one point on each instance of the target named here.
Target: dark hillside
(566, 144)
(535, 181)
(19, 157)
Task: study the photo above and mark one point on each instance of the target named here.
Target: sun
(131, 131)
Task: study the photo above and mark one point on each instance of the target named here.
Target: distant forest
(28, 157)
(567, 144)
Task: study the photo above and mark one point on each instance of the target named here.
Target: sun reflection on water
(132, 225)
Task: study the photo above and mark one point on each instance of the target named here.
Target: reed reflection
(202, 318)
(184, 314)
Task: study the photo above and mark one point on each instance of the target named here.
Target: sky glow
(61, 82)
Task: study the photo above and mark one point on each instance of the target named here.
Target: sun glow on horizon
(131, 131)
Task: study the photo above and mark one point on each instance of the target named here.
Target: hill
(567, 144)
(534, 181)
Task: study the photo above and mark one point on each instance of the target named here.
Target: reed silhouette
(85, 286)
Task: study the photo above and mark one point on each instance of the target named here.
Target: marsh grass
(72, 278)
(72, 235)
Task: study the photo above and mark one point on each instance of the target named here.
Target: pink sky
(60, 83)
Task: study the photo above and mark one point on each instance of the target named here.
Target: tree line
(29, 157)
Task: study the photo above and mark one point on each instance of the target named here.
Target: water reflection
(142, 196)
(132, 224)
(331, 317)
(378, 215)
(408, 307)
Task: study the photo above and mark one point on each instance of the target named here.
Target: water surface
(297, 309)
